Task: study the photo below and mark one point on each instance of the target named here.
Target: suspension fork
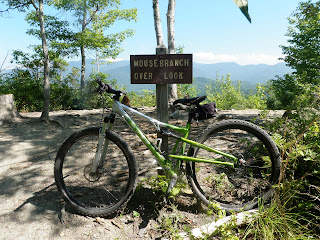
(103, 142)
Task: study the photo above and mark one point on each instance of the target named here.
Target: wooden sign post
(161, 69)
(162, 101)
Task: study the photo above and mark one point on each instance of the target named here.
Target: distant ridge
(249, 75)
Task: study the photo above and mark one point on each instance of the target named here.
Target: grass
(276, 222)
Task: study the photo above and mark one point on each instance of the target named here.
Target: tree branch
(34, 5)
(4, 61)
(22, 5)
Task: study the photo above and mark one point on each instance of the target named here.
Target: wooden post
(162, 100)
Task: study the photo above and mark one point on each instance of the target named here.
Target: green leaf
(135, 214)
(243, 5)
(175, 191)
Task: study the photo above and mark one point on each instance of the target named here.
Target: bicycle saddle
(190, 101)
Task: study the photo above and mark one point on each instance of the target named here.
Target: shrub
(298, 137)
(27, 90)
(142, 98)
(227, 95)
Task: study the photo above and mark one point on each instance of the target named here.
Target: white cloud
(115, 60)
(242, 59)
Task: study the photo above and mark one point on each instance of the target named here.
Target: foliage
(88, 98)
(290, 93)
(34, 62)
(161, 183)
(276, 222)
(283, 91)
(187, 90)
(303, 53)
(216, 208)
(297, 133)
(92, 20)
(58, 33)
(27, 91)
(169, 224)
(229, 96)
(63, 95)
(135, 214)
(25, 88)
(298, 137)
(142, 98)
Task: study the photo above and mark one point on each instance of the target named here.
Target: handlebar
(103, 87)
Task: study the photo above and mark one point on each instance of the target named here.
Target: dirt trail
(31, 207)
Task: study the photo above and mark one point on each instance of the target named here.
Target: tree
(93, 18)
(301, 88)
(242, 4)
(34, 63)
(25, 81)
(172, 88)
(38, 6)
(31, 63)
(58, 34)
(303, 53)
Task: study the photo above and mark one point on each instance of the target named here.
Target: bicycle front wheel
(242, 187)
(106, 190)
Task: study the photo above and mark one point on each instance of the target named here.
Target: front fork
(103, 143)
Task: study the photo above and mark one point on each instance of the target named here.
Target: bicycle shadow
(151, 204)
(47, 199)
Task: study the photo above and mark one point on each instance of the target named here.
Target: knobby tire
(104, 192)
(242, 187)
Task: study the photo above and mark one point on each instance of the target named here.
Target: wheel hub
(91, 176)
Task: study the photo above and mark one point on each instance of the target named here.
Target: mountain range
(249, 75)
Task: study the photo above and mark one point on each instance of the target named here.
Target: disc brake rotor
(91, 177)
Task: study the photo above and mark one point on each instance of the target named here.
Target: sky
(212, 30)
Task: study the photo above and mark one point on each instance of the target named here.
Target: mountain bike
(234, 163)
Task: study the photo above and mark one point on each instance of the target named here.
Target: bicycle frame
(164, 162)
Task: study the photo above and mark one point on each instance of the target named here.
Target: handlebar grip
(104, 87)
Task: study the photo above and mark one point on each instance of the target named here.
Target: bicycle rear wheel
(109, 188)
(242, 187)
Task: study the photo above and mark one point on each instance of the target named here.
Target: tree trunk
(7, 108)
(170, 27)
(46, 84)
(82, 49)
(157, 22)
(172, 88)
(83, 68)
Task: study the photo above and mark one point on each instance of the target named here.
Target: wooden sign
(161, 69)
